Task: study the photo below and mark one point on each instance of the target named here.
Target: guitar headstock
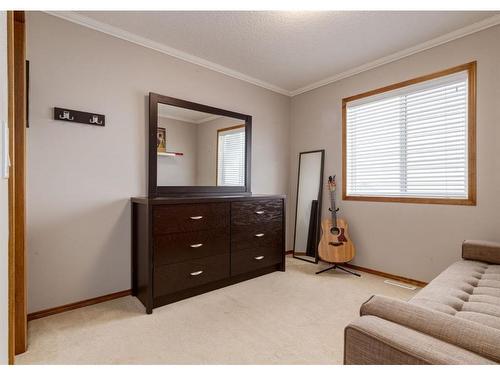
(332, 185)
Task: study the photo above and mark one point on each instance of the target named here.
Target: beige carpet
(295, 317)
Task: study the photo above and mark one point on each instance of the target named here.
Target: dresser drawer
(175, 277)
(190, 217)
(254, 259)
(256, 211)
(181, 247)
(268, 235)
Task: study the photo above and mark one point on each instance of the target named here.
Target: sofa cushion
(478, 338)
(468, 290)
(370, 340)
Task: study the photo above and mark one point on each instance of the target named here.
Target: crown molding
(144, 42)
(207, 119)
(148, 43)
(460, 33)
(183, 119)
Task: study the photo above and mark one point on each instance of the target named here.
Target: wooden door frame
(16, 45)
(12, 289)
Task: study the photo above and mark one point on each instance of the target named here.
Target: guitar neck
(334, 208)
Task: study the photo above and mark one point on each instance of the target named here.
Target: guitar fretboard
(333, 206)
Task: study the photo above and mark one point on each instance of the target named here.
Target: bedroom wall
(80, 177)
(207, 147)
(412, 240)
(181, 137)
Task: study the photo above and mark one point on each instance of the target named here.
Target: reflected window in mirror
(231, 156)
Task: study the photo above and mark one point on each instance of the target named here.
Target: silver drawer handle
(196, 217)
(260, 257)
(259, 235)
(196, 245)
(196, 273)
(259, 212)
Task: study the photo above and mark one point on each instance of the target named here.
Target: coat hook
(95, 120)
(65, 116)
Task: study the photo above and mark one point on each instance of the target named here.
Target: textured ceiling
(183, 114)
(290, 50)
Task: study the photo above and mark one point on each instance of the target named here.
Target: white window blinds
(410, 142)
(231, 157)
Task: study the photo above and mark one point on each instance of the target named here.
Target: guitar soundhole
(335, 231)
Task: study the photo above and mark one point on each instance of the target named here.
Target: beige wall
(412, 240)
(80, 177)
(207, 149)
(182, 137)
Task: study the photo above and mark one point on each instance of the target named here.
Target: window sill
(446, 201)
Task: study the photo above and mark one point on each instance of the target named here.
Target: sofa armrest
(370, 340)
(484, 251)
(463, 333)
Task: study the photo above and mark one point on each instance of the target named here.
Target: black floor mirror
(308, 205)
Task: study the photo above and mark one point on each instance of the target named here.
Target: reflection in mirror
(308, 206)
(199, 149)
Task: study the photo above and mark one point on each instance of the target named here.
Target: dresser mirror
(197, 149)
(308, 205)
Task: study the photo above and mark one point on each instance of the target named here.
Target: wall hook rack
(71, 115)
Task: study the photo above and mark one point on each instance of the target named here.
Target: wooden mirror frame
(157, 191)
(320, 205)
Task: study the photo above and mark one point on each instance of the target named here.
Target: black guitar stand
(335, 266)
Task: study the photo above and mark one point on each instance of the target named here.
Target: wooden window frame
(217, 149)
(471, 69)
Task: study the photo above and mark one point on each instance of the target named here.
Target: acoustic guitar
(335, 245)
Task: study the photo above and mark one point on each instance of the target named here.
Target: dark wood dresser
(184, 246)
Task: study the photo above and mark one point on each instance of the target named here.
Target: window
(231, 156)
(413, 141)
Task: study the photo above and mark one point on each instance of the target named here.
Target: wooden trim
(77, 305)
(16, 45)
(459, 202)
(427, 77)
(230, 128)
(471, 69)
(402, 279)
(217, 150)
(11, 102)
(19, 174)
(472, 101)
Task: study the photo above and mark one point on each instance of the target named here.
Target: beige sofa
(453, 320)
